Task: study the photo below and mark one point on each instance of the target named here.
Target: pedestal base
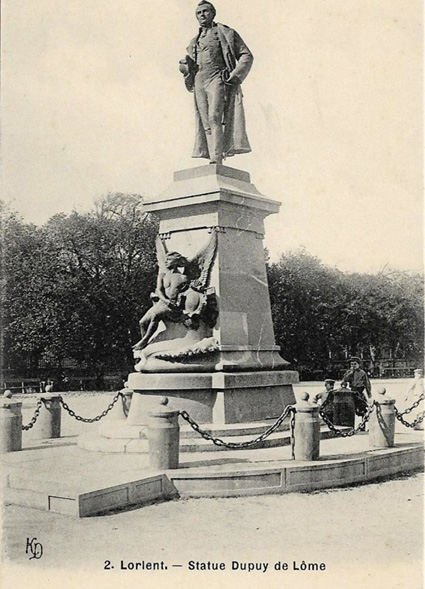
(217, 398)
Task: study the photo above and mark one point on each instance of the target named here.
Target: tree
(305, 299)
(90, 275)
(319, 311)
(76, 287)
(26, 319)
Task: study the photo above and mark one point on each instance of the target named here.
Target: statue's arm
(244, 61)
(188, 68)
(160, 289)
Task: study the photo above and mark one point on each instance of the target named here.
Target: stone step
(121, 430)
(94, 442)
(278, 438)
(85, 499)
(26, 498)
(233, 429)
(81, 485)
(199, 444)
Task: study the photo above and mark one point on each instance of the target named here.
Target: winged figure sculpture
(180, 294)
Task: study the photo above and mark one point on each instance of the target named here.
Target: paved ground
(367, 536)
(82, 471)
(370, 536)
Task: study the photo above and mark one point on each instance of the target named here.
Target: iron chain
(236, 445)
(292, 424)
(362, 403)
(91, 419)
(125, 407)
(415, 404)
(34, 417)
(352, 431)
(399, 415)
(414, 423)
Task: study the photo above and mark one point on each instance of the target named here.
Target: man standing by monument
(357, 378)
(326, 398)
(359, 383)
(328, 392)
(216, 64)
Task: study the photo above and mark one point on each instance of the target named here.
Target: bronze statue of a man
(216, 64)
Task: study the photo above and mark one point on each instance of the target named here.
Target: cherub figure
(180, 289)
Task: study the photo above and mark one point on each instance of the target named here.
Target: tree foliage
(76, 287)
(319, 311)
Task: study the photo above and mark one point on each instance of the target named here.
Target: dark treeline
(73, 290)
(322, 315)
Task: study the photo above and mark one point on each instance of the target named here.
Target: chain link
(292, 424)
(92, 419)
(125, 406)
(414, 423)
(415, 404)
(399, 415)
(236, 445)
(354, 430)
(34, 417)
(361, 405)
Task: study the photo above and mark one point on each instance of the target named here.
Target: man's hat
(355, 359)
(329, 381)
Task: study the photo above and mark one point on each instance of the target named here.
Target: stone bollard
(306, 430)
(10, 424)
(163, 436)
(122, 407)
(382, 421)
(48, 424)
(420, 426)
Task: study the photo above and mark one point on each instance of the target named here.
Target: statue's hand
(173, 305)
(233, 80)
(183, 67)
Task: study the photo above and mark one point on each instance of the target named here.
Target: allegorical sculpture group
(181, 297)
(216, 64)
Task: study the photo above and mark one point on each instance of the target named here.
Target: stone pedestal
(219, 398)
(218, 198)
(243, 379)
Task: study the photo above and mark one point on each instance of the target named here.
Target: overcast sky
(93, 102)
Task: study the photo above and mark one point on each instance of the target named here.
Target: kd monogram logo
(35, 548)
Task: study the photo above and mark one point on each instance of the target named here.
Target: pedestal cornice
(204, 185)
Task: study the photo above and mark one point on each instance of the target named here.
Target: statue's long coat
(238, 59)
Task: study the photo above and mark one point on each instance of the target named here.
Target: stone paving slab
(99, 442)
(62, 455)
(67, 479)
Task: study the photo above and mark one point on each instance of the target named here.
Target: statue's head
(205, 13)
(174, 260)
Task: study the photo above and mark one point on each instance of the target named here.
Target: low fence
(87, 383)
(163, 428)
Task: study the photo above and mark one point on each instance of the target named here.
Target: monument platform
(217, 397)
(58, 476)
